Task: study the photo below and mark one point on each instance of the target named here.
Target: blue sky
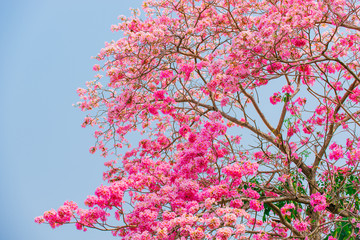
(46, 49)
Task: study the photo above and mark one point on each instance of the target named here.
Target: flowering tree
(247, 115)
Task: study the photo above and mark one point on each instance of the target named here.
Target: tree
(247, 115)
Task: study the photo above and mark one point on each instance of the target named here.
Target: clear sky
(45, 55)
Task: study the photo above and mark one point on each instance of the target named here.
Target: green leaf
(266, 212)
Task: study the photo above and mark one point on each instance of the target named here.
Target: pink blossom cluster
(285, 209)
(224, 233)
(56, 218)
(318, 201)
(336, 153)
(256, 205)
(251, 193)
(107, 196)
(237, 171)
(301, 226)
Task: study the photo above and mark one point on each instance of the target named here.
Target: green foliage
(305, 154)
(344, 230)
(345, 185)
(286, 97)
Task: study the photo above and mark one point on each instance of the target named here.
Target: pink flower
(209, 202)
(353, 157)
(237, 171)
(167, 74)
(224, 102)
(52, 218)
(96, 67)
(292, 130)
(261, 236)
(184, 130)
(274, 67)
(320, 110)
(188, 189)
(336, 153)
(197, 234)
(300, 226)
(168, 215)
(256, 205)
(212, 86)
(337, 86)
(285, 209)
(274, 99)
(92, 150)
(223, 233)
(187, 69)
(301, 101)
(213, 223)
(148, 215)
(39, 219)
(308, 129)
(250, 193)
(192, 137)
(318, 201)
(159, 95)
(153, 110)
(65, 214)
(236, 203)
(257, 49)
(229, 219)
(240, 229)
(298, 42)
(288, 89)
(355, 95)
(282, 179)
